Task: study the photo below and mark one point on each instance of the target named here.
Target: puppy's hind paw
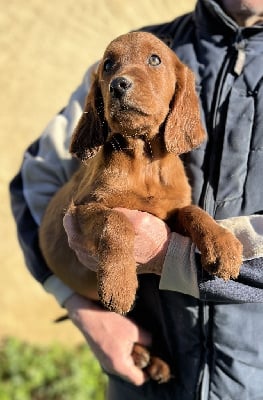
(156, 369)
(141, 356)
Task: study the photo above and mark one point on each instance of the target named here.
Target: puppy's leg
(221, 251)
(110, 236)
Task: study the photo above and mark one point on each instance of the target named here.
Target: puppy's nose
(119, 86)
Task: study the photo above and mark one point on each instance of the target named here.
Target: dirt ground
(45, 50)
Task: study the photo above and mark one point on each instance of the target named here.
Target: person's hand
(110, 336)
(152, 237)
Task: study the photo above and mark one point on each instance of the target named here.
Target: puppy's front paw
(222, 255)
(117, 285)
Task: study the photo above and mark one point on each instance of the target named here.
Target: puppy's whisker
(149, 146)
(115, 144)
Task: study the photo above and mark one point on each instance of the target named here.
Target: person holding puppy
(211, 329)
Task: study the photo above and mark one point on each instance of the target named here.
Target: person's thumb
(136, 376)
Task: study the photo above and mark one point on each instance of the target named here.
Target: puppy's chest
(157, 186)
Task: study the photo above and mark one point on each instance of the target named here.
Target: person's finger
(134, 374)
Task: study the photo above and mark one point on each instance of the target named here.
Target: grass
(30, 372)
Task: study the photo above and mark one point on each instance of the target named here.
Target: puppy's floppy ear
(183, 127)
(91, 131)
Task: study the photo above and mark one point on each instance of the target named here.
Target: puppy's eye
(108, 64)
(154, 60)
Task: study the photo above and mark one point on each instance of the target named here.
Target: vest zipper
(235, 62)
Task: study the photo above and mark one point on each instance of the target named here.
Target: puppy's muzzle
(120, 86)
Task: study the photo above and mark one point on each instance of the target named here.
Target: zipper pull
(241, 57)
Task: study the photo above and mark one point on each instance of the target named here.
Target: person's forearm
(76, 302)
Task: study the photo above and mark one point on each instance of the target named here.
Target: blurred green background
(45, 48)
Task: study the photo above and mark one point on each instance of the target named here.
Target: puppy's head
(140, 89)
